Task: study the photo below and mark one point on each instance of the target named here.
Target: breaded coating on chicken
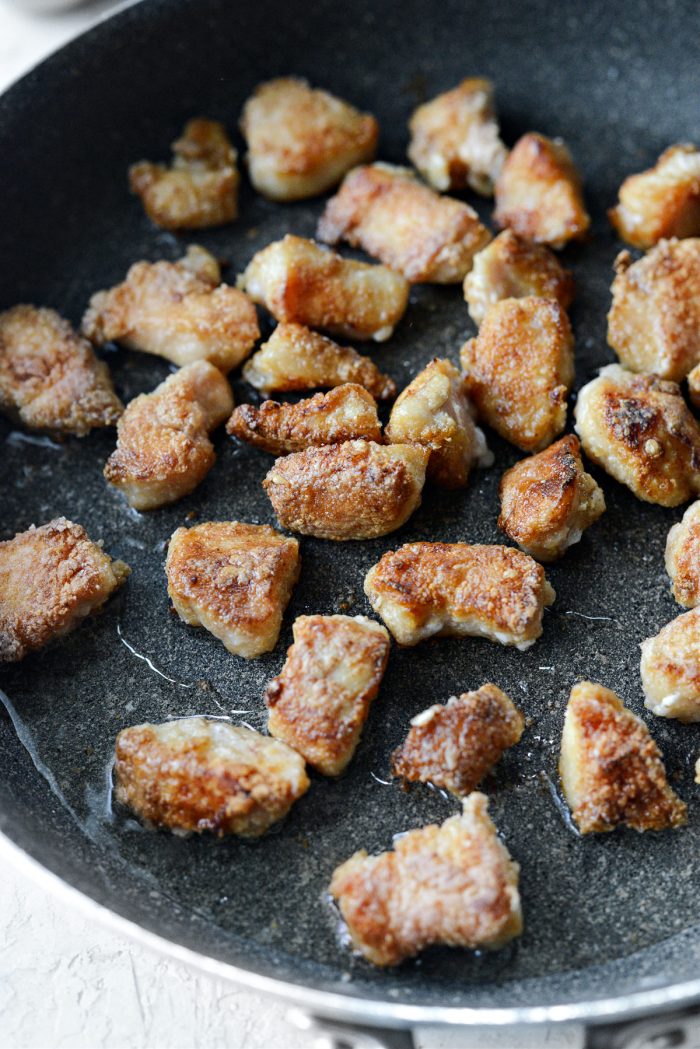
(354, 490)
(387, 212)
(296, 358)
(51, 578)
(611, 770)
(548, 500)
(200, 189)
(50, 378)
(321, 699)
(639, 429)
(298, 280)
(455, 139)
(654, 320)
(198, 774)
(347, 413)
(683, 557)
(425, 590)
(670, 669)
(663, 201)
(454, 746)
(520, 370)
(453, 884)
(176, 310)
(538, 193)
(433, 411)
(163, 448)
(301, 140)
(512, 268)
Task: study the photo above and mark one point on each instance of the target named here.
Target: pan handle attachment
(679, 1030)
(336, 1034)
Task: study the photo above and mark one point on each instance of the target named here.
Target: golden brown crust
(683, 557)
(456, 745)
(670, 669)
(548, 500)
(694, 386)
(538, 193)
(50, 378)
(320, 701)
(520, 369)
(51, 578)
(346, 413)
(611, 769)
(453, 884)
(200, 190)
(195, 774)
(638, 428)
(663, 201)
(392, 216)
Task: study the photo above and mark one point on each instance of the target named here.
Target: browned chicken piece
(347, 413)
(520, 370)
(298, 280)
(670, 669)
(200, 189)
(233, 579)
(512, 268)
(50, 378)
(638, 428)
(295, 358)
(177, 310)
(197, 774)
(683, 557)
(321, 700)
(301, 140)
(163, 448)
(459, 590)
(51, 578)
(455, 139)
(355, 490)
(433, 411)
(548, 500)
(538, 193)
(611, 770)
(663, 201)
(454, 746)
(453, 884)
(387, 212)
(654, 320)
(694, 386)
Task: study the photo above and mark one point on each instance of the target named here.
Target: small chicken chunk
(321, 700)
(694, 386)
(347, 413)
(233, 579)
(548, 500)
(455, 139)
(538, 193)
(453, 884)
(512, 268)
(176, 310)
(458, 590)
(355, 490)
(520, 370)
(51, 578)
(50, 378)
(663, 201)
(200, 189)
(683, 557)
(388, 213)
(433, 411)
(638, 428)
(611, 770)
(670, 669)
(297, 280)
(654, 320)
(163, 448)
(456, 745)
(197, 774)
(295, 358)
(301, 140)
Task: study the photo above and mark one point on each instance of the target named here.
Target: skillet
(611, 922)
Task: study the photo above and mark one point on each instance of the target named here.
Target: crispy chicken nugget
(663, 201)
(670, 669)
(683, 557)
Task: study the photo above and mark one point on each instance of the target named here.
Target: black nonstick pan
(611, 921)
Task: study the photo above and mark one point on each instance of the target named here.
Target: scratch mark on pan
(151, 664)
